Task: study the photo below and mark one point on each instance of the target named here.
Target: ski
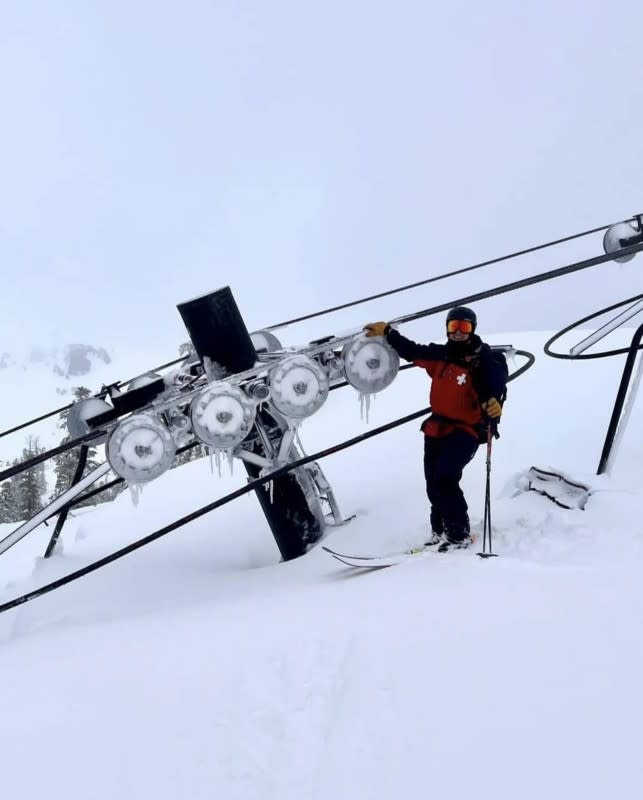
(365, 564)
(390, 559)
(375, 562)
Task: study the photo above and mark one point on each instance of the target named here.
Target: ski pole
(486, 536)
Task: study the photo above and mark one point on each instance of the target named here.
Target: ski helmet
(462, 312)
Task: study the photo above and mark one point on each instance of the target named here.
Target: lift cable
(14, 469)
(100, 394)
(503, 289)
(243, 490)
(117, 481)
(250, 486)
(87, 438)
(444, 275)
(521, 284)
(359, 301)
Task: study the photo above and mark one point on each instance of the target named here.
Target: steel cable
(444, 275)
(359, 301)
(250, 486)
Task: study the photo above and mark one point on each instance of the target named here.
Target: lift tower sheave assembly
(222, 342)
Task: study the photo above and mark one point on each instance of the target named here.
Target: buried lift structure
(244, 395)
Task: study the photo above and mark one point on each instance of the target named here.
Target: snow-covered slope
(200, 667)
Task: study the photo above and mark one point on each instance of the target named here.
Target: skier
(468, 388)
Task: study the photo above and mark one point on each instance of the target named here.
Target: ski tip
(362, 566)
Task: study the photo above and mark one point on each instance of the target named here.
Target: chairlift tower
(618, 236)
(241, 395)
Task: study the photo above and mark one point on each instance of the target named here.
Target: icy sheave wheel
(370, 365)
(83, 410)
(265, 341)
(618, 237)
(222, 416)
(299, 386)
(140, 449)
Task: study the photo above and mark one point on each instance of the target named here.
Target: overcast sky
(306, 154)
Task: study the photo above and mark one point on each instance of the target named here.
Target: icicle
(364, 405)
(135, 490)
(217, 454)
(215, 460)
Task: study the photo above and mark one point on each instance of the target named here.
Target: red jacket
(452, 397)
(458, 386)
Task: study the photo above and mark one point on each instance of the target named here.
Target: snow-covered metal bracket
(558, 488)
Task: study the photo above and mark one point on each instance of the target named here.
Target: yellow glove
(376, 328)
(492, 408)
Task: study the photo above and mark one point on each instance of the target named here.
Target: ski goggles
(462, 325)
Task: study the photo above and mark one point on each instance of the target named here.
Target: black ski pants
(444, 459)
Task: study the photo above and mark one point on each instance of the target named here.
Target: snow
(201, 667)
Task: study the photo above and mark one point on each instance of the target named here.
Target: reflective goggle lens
(462, 325)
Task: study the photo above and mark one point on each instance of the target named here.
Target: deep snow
(200, 667)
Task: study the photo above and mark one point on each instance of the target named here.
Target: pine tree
(10, 498)
(31, 484)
